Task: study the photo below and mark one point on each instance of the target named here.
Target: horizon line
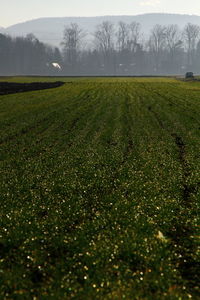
(99, 16)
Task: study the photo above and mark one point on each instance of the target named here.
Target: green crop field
(100, 190)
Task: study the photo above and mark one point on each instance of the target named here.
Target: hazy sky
(15, 11)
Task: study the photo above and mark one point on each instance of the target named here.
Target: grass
(100, 190)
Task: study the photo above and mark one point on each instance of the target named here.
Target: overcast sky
(15, 11)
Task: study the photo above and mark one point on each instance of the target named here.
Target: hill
(50, 30)
(2, 30)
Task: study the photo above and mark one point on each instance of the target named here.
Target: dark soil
(12, 87)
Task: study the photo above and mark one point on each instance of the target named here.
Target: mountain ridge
(50, 29)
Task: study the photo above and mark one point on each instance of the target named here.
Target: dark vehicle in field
(189, 75)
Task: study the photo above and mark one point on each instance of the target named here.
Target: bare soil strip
(12, 87)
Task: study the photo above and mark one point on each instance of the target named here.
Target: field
(100, 190)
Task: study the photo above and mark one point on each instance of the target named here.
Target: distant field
(100, 190)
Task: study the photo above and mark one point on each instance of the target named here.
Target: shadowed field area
(100, 190)
(13, 87)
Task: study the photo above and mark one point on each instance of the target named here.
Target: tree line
(110, 50)
(27, 56)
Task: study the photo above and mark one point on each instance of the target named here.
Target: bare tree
(173, 42)
(73, 37)
(173, 38)
(191, 34)
(122, 36)
(104, 41)
(104, 37)
(157, 43)
(134, 36)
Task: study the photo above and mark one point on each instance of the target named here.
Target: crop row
(100, 191)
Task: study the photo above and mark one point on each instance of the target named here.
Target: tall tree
(73, 37)
(134, 36)
(173, 45)
(104, 42)
(6, 54)
(191, 34)
(122, 36)
(157, 43)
